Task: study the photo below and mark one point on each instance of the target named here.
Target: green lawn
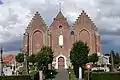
(104, 76)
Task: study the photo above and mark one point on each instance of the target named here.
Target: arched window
(61, 40)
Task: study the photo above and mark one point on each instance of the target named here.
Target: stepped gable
(37, 18)
(84, 17)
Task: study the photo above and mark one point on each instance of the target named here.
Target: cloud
(15, 45)
(16, 14)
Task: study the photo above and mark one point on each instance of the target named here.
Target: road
(62, 75)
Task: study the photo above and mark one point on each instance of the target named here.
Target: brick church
(60, 36)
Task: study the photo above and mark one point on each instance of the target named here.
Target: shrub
(34, 75)
(72, 75)
(48, 73)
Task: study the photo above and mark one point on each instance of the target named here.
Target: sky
(15, 15)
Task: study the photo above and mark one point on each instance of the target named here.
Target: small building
(107, 56)
(9, 65)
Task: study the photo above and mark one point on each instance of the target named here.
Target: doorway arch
(57, 61)
(61, 62)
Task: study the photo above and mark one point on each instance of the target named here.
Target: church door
(61, 63)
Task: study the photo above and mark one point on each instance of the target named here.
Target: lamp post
(27, 53)
(51, 75)
(112, 61)
(1, 62)
(69, 75)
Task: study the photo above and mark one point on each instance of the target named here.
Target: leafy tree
(44, 57)
(93, 58)
(20, 58)
(32, 59)
(79, 55)
(112, 60)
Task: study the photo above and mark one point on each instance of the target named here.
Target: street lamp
(69, 75)
(69, 72)
(2, 73)
(26, 54)
(51, 75)
(27, 35)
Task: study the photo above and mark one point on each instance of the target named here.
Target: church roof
(83, 16)
(60, 15)
(8, 58)
(37, 18)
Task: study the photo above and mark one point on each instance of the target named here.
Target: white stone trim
(65, 61)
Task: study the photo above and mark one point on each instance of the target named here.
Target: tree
(32, 59)
(112, 58)
(117, 58)
(93, 58)
(44, 57)
(79, 55)
(20, 58)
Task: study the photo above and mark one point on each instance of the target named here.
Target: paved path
(62, 75)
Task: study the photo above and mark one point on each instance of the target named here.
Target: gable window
(61, 41)
(72, 32)
(60, 27)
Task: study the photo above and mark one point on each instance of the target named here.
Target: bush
(48, 73)
(104, 76)
(72, 76)
(32, 76)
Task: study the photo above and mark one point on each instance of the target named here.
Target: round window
(60, 27)
(72, 32)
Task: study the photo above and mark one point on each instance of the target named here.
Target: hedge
(104, 76)
(15, 78)
(32, 76)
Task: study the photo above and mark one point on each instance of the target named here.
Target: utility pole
(26, 54)
(2, 73)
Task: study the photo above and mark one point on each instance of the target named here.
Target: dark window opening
(72, 32)
(60, 46)
(60, 27)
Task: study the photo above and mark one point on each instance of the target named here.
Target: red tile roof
(8, 58)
